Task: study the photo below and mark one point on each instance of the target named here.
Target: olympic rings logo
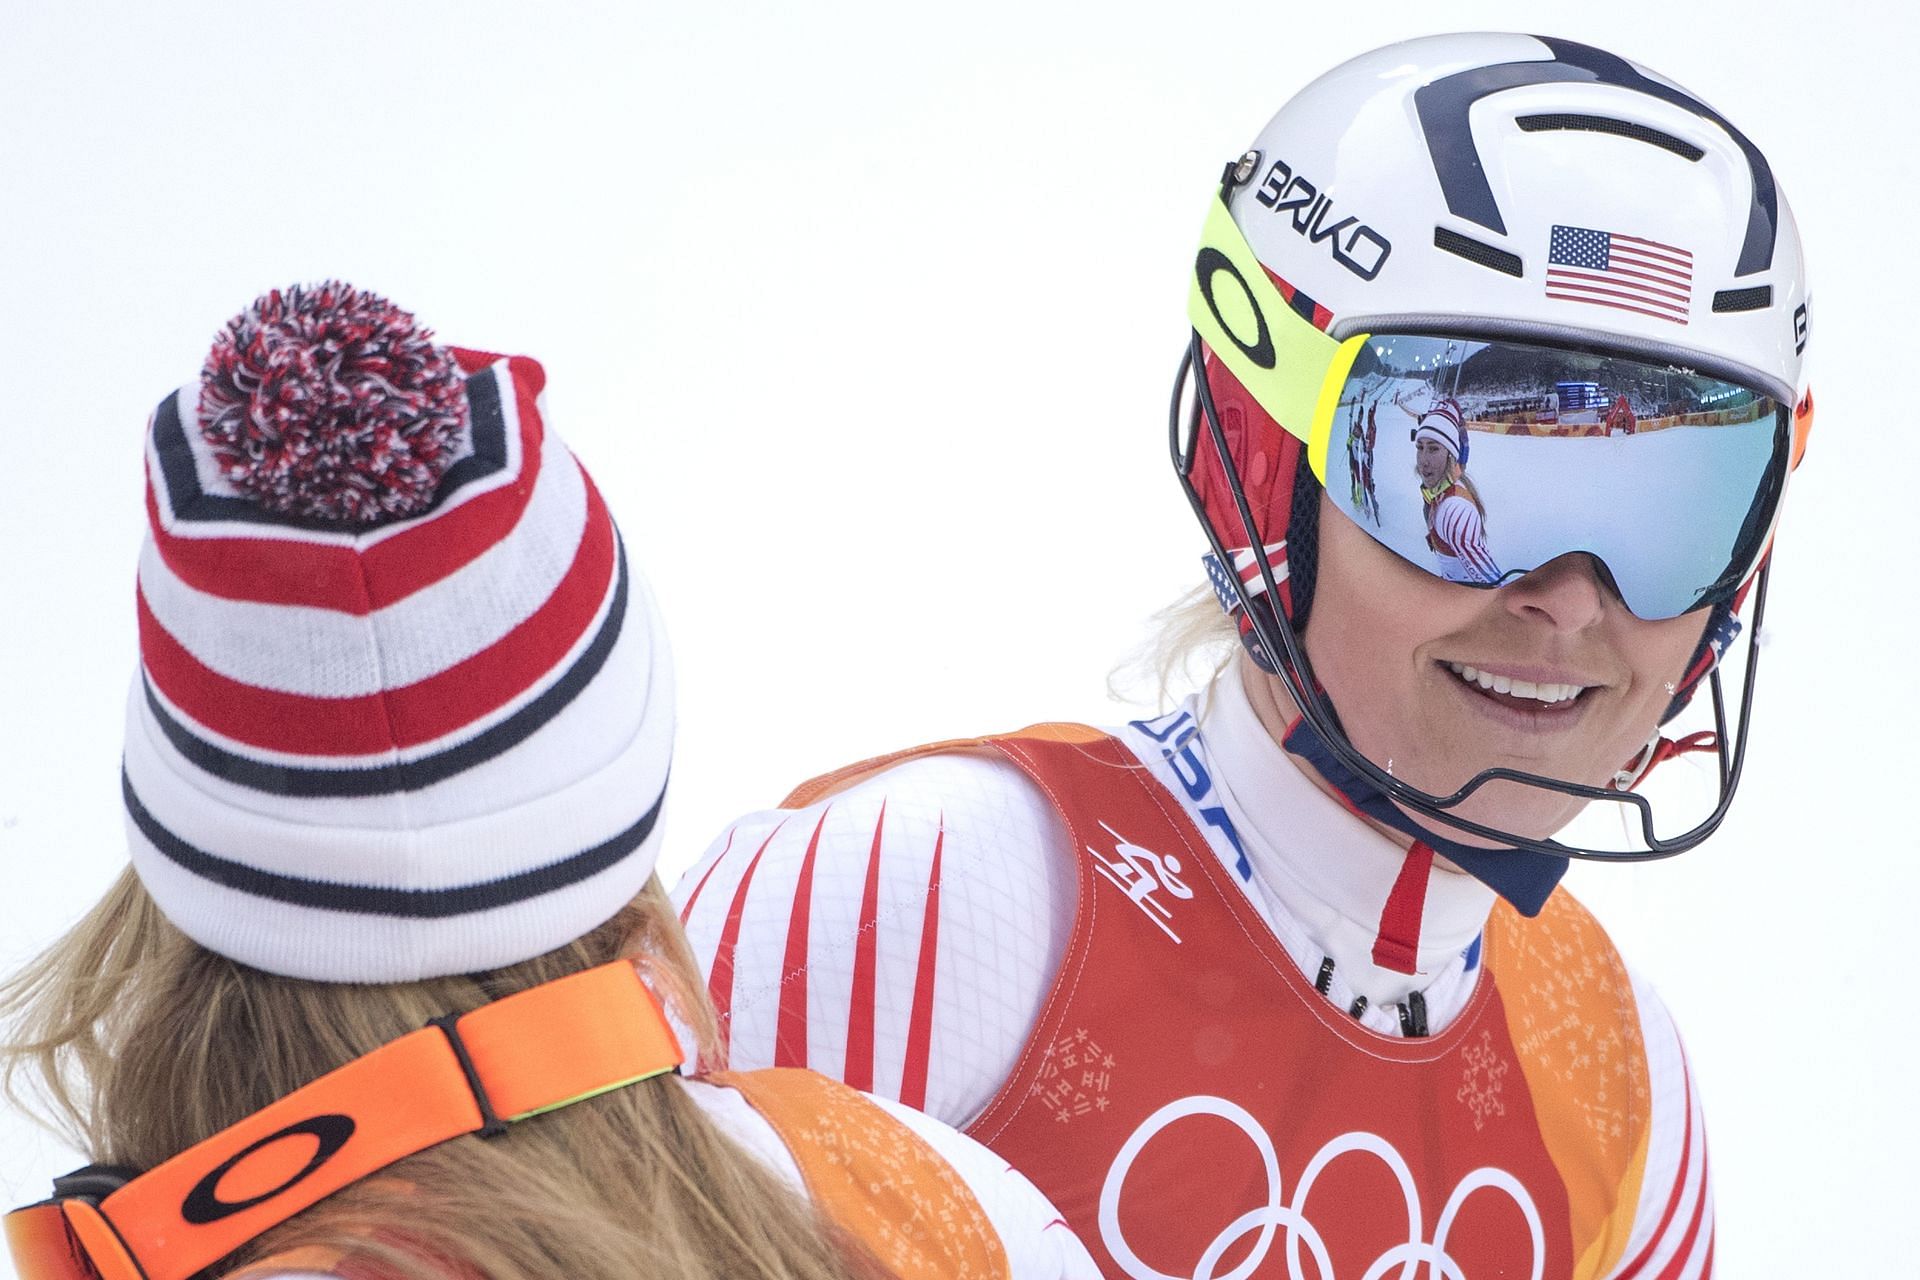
(1291, 1214)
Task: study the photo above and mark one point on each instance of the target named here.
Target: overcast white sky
(864, 318)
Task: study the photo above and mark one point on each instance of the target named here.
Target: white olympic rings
(1278, 1212)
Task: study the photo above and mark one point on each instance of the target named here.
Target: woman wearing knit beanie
(390, 988)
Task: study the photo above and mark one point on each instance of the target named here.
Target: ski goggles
(480, 1072)
(1478, 459)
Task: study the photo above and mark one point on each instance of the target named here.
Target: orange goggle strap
(526, 1054)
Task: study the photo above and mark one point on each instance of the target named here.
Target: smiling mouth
(1528, 694)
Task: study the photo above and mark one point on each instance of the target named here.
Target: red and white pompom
(330, 402)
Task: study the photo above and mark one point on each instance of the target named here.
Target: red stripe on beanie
(326, 575)
(412, 714)
(525, 368)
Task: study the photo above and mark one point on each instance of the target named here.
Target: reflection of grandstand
(1511, 390)
(1570, 408)
(1519, 424)
(1506, 389)
(1519, 408)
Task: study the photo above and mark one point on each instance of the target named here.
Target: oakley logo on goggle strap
(1207, 267)
(203, 1204)
(1444, 104)
(1364, 250)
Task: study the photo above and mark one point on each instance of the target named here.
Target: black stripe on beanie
(413, 904)
(190, 502)
(410, 775)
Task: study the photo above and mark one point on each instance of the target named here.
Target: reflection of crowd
(1456, 517)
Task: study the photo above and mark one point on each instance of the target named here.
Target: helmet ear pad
(1723, 625)
(1269, 469)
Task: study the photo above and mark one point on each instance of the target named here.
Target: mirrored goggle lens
(1480, 460)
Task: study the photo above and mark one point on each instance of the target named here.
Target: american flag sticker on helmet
(1607, 269)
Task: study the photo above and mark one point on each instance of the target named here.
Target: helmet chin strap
(1521, 876)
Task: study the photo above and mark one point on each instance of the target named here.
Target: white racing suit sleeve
(1673, 1225)
(899, 936)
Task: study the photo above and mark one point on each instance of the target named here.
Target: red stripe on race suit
(1676, 1267)
(913, 1074)
(1638, 1266)
(866, 972)
(686, 912)
(359, 580)
(394, 718)
(790, 1028)
(720, 974)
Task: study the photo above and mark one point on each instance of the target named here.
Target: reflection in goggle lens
(1479, 460)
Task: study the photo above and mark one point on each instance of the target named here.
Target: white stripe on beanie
(512, 758)
(392, 903)
(433, 742)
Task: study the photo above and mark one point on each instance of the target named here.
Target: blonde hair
(1458, 475)
(143, 1043)
(1191, 632)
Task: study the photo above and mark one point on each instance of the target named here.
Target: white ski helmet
(1469, 184)
(1425, 180)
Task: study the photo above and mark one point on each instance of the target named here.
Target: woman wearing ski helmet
(1282, 973)
(390, 989)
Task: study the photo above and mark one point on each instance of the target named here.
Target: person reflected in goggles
(1456, 517)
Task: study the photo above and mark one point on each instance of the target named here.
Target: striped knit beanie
(403, 707)
(1445, 426)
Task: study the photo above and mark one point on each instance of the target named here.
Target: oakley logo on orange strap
(203, 1204)
(477, 1073)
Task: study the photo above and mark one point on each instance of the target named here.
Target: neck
(1332, 869)
(1276, 710)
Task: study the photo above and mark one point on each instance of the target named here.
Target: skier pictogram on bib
(1142, 874)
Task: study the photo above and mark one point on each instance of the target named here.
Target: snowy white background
(864, 319)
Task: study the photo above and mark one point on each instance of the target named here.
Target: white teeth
(1543, 691)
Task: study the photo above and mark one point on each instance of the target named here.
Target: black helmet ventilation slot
(1606, 124)
(1477, 251)
(1758, 298)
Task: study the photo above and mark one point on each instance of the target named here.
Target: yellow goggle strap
(1291, 368)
